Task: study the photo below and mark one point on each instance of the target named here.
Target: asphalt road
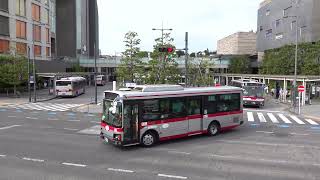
(49, 145)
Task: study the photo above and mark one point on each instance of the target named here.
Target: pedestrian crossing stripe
(46, 106)
(279, 118)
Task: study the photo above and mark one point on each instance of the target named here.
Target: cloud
(205, 20)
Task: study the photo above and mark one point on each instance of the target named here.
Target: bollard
(114, 86)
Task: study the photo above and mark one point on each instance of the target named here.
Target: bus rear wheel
(148, 139)
(213, 129)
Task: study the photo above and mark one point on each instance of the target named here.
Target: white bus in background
(101, 80)
(70, 86)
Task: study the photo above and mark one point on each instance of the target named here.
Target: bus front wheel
(213, 129)
(148, 139)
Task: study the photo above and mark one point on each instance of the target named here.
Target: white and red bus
(71, 86)
(101, 80)
(253, 92)
(148, 114)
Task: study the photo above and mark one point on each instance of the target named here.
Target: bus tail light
(117, 137)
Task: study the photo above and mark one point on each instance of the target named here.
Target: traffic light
(166, 49)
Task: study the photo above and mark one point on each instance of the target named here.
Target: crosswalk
(278, 118)
(46, 106)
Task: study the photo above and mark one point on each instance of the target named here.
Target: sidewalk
(311, 111)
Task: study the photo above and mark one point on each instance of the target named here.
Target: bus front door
(194, 115)
(130, 123)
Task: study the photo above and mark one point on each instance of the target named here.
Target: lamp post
(29, 84)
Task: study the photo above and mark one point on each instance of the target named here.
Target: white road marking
(72, 164)
(261, 117)
(53, 119)
(12, 116)
(8, 127)
(71, 129)
(172, 176)
(250, 116)
(179, 152)
(34, 160)
(31, 118)
(285, 119)
(265, 132)
(73, 120)
(2, 155)
(312, 122)
(295, 118)
(299, 134)
(273, 118)
(120, 170)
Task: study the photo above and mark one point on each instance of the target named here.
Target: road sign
(301, 88)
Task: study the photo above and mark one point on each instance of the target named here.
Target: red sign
(301, 88)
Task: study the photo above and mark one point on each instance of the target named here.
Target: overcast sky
(206, 21)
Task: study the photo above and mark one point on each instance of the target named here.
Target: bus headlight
(117, 137)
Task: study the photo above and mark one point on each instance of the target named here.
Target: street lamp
(162, 32)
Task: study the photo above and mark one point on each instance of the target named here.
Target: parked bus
(71, 86)
(253, 92)
(152, 113)
(101, 80)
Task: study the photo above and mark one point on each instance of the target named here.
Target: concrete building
(28, 24)
(240, 43)
(77, 28)
(277, 20)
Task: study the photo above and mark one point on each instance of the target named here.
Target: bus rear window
(63, 83)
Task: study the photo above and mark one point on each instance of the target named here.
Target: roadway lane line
(261, 110)
(261, 117)
(9, 127)
(53, 119)
(120, 170)
(265, 132)
(2, 155)
(72, 164)
(273, 118)
(179, 152)
(172, 176)
(298, 134)
(295, 118)
(71, 129)
(96, 122)
(34, 160)
(73, 120)
(31, 118)
(285, 119)
(250, 116)
(312, 122)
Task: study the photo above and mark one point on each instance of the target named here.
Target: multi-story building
(240, 43)
(28, 24)
(77, 28)
(278, 19)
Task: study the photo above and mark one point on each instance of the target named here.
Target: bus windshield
(112, 113)
(254, 91)
(63, 83)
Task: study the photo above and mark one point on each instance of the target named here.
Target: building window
(261, 28)
(268, 33)
(36, 12)
(37, 33)
(21, 48)
(279, 36)
(37, 50)
(293, 25)
(287, 11)
(278, 22)
(4, 46)
(4, 26)
(48, 51)
(268, 12)
(4, 5)
(47, 35)
(46, 16)
(21, 29)
(21, 7)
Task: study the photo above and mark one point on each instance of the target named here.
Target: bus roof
(72, 79)
(160, 91)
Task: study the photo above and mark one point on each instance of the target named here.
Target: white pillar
(227, 81)
(285, 89)
(304, 92)
(114, 86)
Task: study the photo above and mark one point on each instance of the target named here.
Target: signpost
(301, 90)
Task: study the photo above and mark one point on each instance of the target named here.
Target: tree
(193, 54)
(199, 72)
(163, 68)
(240, 65)
(13, 71)
(131, 65)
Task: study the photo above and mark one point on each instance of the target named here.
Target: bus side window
(211, 104)
(228, 102)
(150, 110)
(194, 106)
(178, 107)
(164, 108)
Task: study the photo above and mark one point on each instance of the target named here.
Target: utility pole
(29, 85)
(186, 60)
(95, 75)
(34, 81)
